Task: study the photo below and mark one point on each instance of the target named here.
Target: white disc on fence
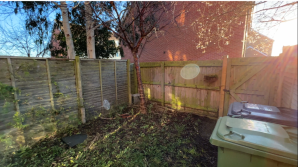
(106, 104)
(190, 71)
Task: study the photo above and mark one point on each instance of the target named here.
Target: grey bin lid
(263, 113)
(264, 136)
(270, 109)
(237, 107)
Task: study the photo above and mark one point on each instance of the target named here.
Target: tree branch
(278, 7)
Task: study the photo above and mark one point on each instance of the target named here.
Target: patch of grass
(154, 139)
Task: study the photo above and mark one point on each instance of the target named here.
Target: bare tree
(15, 40)
(134, 23)
(38, 21)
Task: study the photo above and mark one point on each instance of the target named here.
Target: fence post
(227, 94)
(100, 80)
(135, 78)
(13, 84)
(115, 72)
(79, 88)
(284, 61)
(163, 83)
(50, 84)
(222, 86)
(128, 81)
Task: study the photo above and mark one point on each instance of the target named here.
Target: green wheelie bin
(251, 143)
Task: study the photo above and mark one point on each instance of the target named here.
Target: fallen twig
(107, 118)
(92, 142)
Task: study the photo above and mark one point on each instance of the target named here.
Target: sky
(286, 35)
(283, 35)
(17, 20)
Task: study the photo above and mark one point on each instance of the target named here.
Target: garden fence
(54, 93)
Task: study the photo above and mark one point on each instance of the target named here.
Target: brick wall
(178, 43)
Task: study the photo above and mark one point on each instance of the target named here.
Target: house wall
(258, 45)
(251, 52)
(178, 43)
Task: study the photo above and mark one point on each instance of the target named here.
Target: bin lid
(237, 107)
(260, 107)
(263, 113)
(268, 137)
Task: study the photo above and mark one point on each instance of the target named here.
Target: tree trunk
(140, 84)
(66, 27)
(89, 31)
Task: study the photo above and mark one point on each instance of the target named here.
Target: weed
(179, 128)
(142, 141)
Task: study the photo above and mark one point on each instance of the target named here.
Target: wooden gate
(251, 79)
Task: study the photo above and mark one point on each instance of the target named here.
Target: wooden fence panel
(173, 76)
(32, 80)
(91, 88)
(49, 95)
(64, 89)
(121, 72)
(289, 86)
(187, 95)
(132, 79)
(108, 81)
(247, 79)
(7, 107)
(252, 80)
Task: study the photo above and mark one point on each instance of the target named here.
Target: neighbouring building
(179, 43)
(258, 46)
(116, 40)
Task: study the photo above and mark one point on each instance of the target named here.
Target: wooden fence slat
(135, 78)
(193, 86)
(252, 61)
(227, 94)
(128, 81)
(236, 97)
(13, 84)
(79, 89)
(183, 85)
(281, 79)
(163, 83)
(250, 92)
(149, 64)
(50, 84)
(190, 106)
(205, 63)
(222, 86)
(151, 83)
(247, 75)
(100, 81)
(115, 72)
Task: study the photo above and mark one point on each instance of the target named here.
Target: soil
(170, 146)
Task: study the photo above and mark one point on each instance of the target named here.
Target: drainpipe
(246, 27)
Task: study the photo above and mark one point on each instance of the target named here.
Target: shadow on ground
(128, 138)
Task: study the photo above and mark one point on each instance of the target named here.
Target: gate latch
(225, 90)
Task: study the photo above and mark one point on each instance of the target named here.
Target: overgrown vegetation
(127, 138)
